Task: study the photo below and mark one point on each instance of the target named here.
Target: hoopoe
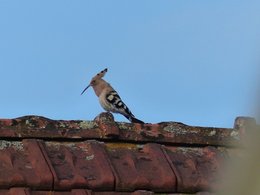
(109, 98)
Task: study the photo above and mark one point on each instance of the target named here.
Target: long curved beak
(85, 89)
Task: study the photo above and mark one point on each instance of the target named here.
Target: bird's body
(109, 98)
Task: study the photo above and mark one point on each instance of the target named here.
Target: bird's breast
(103, 102)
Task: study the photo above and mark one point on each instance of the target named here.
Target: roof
(41, 156)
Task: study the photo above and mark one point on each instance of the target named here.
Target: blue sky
(195, 62)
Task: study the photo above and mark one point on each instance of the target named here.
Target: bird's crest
(100, 74)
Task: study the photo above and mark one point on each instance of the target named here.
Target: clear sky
(190, 61)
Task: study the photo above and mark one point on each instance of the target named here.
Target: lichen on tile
(173, 128)
(235, 134)
(88, 125)
(62, 125)
(90, 157)
(213, 132)
(14, 144)
(125, 126)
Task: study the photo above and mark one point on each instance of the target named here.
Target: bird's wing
(117, 105)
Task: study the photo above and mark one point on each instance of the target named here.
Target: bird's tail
(134, 120)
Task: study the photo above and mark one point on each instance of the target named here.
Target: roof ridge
(104, 128)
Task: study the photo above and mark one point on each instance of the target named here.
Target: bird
(109, 98)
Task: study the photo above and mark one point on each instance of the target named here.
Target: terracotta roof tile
(40, 156)
(99, 166)
(79, 165)
(143, 167)
(105, 128)
(22, 164)
(196, 164)
(26, 191)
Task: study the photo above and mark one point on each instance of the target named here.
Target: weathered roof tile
(39, 156)
(196, 169)
(107, 124)
(141, 168)
(22, 166)
(105, 128)
(80, 165)
(26, 191)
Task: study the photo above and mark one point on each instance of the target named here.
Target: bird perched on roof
(109, 98)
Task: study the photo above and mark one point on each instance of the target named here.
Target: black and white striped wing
(117, 105)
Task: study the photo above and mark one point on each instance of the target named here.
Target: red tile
(25, 191)
(34, 192)
(141, 168)
(142, 192)
(178, 133)
(20, 166)
(139, 192)
(105, 128)
(20, 191)
(39, 163)
(107, 124)
(196, 169)
(41, 127)
(79, 165)
(38, 167)
(80, 192)
(44, 193)
(6, 128)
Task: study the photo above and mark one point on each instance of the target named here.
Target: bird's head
(96, 80)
